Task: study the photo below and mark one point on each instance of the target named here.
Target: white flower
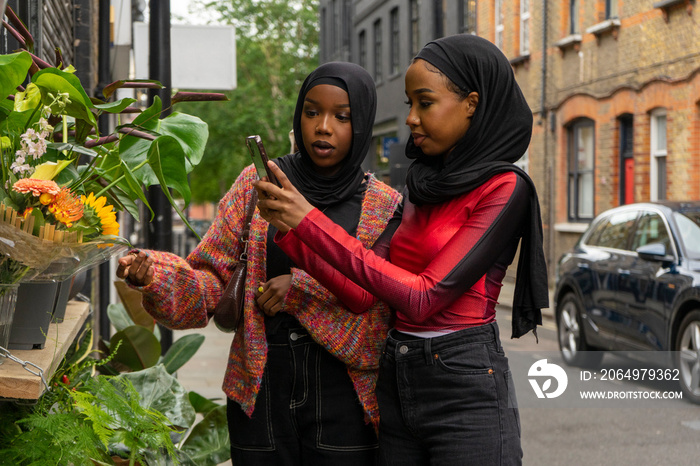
(44, 125)
(19, 168)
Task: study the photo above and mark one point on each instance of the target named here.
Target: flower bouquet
(62, 181)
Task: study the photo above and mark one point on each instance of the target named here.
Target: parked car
(632, 283)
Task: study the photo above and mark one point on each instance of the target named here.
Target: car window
(615, 232)
(595, 231)
(689, 230)
(651, 229)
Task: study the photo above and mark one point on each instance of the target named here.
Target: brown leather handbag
(228, 314)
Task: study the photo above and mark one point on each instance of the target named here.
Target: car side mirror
(655, 252)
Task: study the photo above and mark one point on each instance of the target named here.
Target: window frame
(525, 27)
(573, 17)
(394, 41)
(467, 17)
(377, 28)
(576, 176)
(658, 177)
(362, 48)
(414, 28)
(335, 21)
(524, 161)
(498, 27)
(611, 9)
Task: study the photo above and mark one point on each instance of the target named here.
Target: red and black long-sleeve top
(439, 266)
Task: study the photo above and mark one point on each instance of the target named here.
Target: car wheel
(688, 356)
(572, 341)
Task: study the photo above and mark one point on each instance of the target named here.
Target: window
(378, 51)
(498, 14)
(610, 9)
(651, 229)
(346, 22)
(524, 161)
(573, 17)
(335, 17)
(657, 173)
(467, 16)
(362, 49)
(615, 232)
(394, 49)
(415, 29)
(524, 27)
(439, 15)
(581, 165)
(689, 230)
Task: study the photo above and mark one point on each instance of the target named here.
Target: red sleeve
(463, 260)
(355, 298)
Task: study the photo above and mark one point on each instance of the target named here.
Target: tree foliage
(276, 47)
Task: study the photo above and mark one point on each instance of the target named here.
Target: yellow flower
(106, 214)
(46, 198)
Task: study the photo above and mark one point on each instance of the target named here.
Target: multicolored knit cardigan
(183, 291)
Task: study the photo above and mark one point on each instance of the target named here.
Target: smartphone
(257, 152)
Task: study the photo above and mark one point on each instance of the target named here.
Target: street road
(605, 432)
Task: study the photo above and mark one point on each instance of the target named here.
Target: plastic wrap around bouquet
(28, 257)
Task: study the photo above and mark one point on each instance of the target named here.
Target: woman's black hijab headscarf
(498, 135)
(319, 190)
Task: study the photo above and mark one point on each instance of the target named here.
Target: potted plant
(62, 181)
(120, 405)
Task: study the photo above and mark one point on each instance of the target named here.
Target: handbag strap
(246, 227)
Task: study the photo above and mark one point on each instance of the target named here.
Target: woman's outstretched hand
(283, 207)
(137, 267)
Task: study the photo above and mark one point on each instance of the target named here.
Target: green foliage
(277, 47)
(144, 415)
(113, 407)
(61, 438)
(204, 448)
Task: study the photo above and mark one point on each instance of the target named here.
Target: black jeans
(448, 400)
(306, 413)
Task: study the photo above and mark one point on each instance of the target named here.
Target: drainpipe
(103, 78)
(549, 164)
(159, 231)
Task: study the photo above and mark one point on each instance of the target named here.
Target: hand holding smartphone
(260, 159)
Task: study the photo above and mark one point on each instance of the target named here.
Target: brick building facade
(614, 86)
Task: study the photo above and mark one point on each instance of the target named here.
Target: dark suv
(632, 283)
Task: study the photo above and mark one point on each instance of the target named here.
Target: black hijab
(319, 190)
(498, 135)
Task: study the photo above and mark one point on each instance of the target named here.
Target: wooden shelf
(16, 382)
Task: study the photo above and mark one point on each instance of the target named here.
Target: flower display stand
(16, 382)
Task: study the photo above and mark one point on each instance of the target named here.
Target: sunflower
(98, 209)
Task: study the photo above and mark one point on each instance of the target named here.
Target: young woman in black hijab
(302, 370)
(445, 389)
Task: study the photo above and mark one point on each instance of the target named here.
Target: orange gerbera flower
(36, 187)
(66, 207)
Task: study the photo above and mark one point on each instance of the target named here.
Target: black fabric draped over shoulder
(498, 135)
